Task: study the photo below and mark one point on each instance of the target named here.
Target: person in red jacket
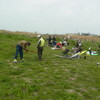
(59, 45)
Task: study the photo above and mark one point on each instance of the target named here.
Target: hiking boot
(15, 61)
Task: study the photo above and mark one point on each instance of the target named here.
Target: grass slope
(51, 79)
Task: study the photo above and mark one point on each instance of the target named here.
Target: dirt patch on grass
(27, 80)
(70, 91)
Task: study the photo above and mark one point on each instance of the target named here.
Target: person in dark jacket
(53, 41)
(49, 41)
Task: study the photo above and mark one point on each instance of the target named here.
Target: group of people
(63, 45)
(78, 51)
(22, 45)
(51, 41)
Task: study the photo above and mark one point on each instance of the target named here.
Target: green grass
(51, 79)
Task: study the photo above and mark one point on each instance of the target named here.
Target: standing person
(49, 41)
(53, 40)
(19, 49)
(40, 47)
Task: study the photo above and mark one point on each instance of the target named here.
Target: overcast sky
(50, 16)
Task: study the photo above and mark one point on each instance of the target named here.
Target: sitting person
(65, 51)
(78, 43)
(59, 45)
(64, 42)
(76, 49)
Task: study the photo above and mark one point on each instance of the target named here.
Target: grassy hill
(51, 79)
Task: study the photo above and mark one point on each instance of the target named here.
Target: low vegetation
(51, 79)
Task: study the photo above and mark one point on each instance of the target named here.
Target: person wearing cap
(40, 47)
(59, 45)
(19, 49)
